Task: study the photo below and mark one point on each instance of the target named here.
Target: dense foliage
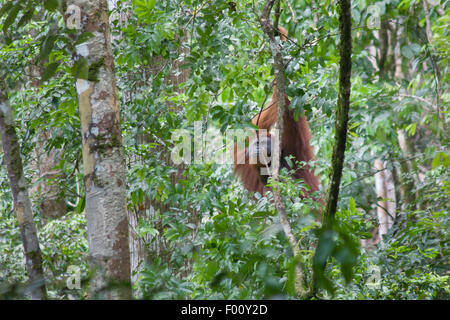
(205, 236)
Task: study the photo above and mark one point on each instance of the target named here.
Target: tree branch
(279, 89)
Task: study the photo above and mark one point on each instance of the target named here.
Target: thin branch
(294, 18)
(404, 159)
(279, 95)
(384, 209)
(420, 99)
(195, 13)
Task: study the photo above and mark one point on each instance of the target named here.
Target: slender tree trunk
(103, 157)
(436, 68)
(384, 192)
(383, 37)
(427, 21)
(340, 137)
(406, 171)
(22, 203)
(384, 185)
(46, 187)
(398, 72)
(389, 181)
(50, 194)
(341, 122)
(150, 247)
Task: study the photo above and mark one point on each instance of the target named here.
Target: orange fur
(295, 142)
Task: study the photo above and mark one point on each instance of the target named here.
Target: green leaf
(46, 46)
(415, 48)
(82, 38)
(26, 17)
(51, 5)
(347, 260)
(225, 95)
(140, 195)
(80, 69)
(49, 71)
(411, 129)
(352, 205)
(436, 160)
(365, 235)
(260, 214)
(6, 7)
(80, 206)
(152, 231)
(150, 4)
(439, 158)
(381, 134)
(407, 52)
(11, 17)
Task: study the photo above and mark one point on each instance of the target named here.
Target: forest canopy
(118, 124)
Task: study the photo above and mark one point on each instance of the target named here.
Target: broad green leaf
(51, 5)
(80, 69)
(352, 205)
(47, 46)
(6, 7)
(49, 71)
(11, 17)
(26, 17)
(439, 158)
(81, 204)
(82, 38)
(407, 52)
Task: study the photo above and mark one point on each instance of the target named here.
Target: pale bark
(22, 203)
(384, 190)
(103, 158)
(384, 186)
(406, 182)
(427, 21)
(137, 247)
(390, 193)
(398, 73)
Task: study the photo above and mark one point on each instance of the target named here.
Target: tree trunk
(406, 172)
(150, 247)
(427, 21)
(384, 190)
(46, 189)
(22, 203)
(398, 72)
(103, 157)
(52, 202)
(340, 138)
(341, 122)
(383, 178)
(383, 38)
